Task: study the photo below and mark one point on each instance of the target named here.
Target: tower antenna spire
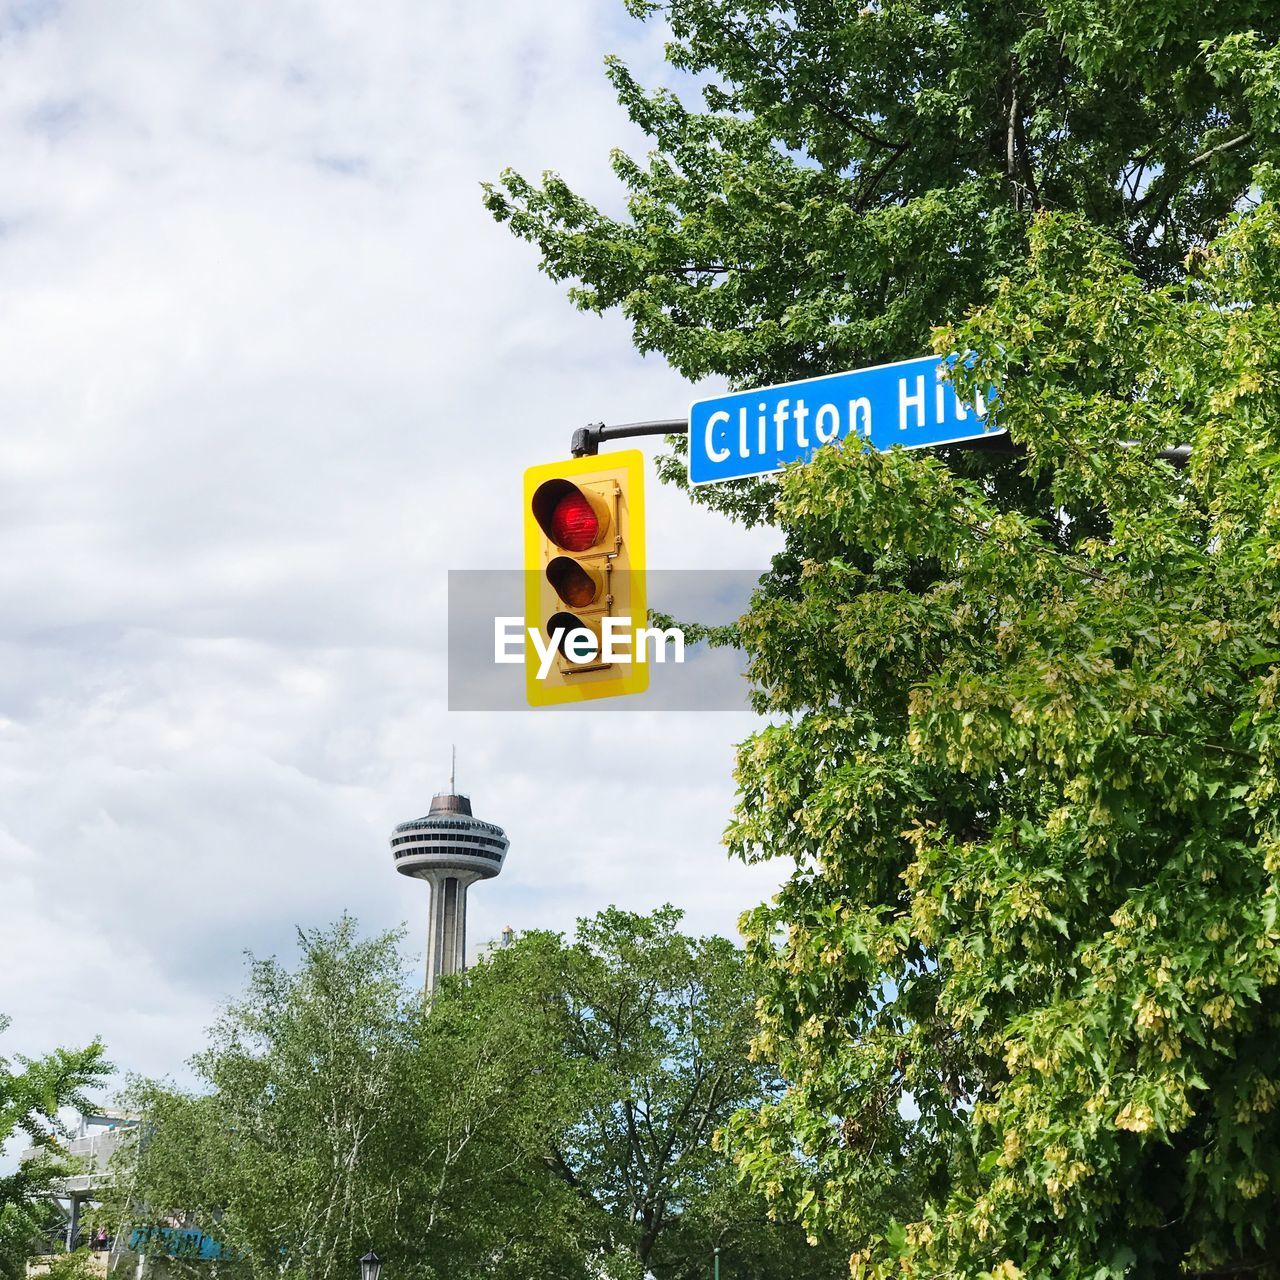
(453, 769)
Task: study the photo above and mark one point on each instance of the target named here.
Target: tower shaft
(447, 925)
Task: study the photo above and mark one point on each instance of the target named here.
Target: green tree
(77, 1265)
(335, 1111)
(289, 1154)
(1025, 752)
(654, 1028)
(1031, 949)
(490, 1050)
(552, 1113)
(30, 1100)
(865, 171)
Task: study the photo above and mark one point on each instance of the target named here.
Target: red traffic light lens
(574, 525)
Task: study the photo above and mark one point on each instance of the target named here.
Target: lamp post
(370, 1266)
(717, 1258)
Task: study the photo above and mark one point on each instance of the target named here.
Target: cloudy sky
(267, 372)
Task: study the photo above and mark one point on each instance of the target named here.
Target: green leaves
(1027, 776)
(300, 1147)
(862, 173)
(30, 1099)
(554, 1112)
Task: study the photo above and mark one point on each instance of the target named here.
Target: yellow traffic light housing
(584, 578)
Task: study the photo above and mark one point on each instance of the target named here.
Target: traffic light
(584, 578)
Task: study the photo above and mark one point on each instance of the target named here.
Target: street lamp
(370, 1266)
(717, 1256)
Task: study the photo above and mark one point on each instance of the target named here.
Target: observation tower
(450, 848)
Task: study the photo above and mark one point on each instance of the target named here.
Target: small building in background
(97, 1136)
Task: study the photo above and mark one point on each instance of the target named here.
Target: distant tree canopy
(1024, 754)
(30, 1098)
(552, 1113)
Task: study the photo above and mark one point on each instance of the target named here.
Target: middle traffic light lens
(574, 525)
(573, 584)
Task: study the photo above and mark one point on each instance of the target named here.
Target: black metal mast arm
(586, 440)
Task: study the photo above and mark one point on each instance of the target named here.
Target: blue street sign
(751, 433)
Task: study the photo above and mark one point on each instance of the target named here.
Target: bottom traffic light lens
(574, 525)
(572, 583)
(578, 641)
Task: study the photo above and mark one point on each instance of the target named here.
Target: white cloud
(269, 370)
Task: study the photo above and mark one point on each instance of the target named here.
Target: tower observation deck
(450, 848)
